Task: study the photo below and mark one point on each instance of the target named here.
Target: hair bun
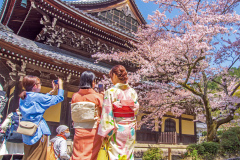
(121, 73)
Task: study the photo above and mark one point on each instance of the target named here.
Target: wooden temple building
(54, 38)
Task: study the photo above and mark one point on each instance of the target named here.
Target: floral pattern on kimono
(121, 130)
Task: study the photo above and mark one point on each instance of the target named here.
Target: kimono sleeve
(107, 123)
(50, 100)
(134, 96)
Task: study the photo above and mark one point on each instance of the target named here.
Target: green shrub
(211, 147)
(194, 155)
(236, 130)
(204, 133)
(153, 154)
(219, 133)
(229, 141)
(205, 150)
(201, 150)
(192, 147)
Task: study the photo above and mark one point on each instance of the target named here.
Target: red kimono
(87, 142)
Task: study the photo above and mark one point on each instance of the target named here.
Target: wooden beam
(9, 12)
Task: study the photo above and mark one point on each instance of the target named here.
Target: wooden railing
(167, 137)
(148, 136)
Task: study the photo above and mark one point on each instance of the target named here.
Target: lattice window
(119, 19)
(170, 125)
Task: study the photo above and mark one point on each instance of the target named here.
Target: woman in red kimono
(87, 142)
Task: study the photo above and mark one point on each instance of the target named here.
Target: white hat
(61, 128)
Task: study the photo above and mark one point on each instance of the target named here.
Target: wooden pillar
(14, 103)
(195, 130)
(65, 117)
(15, 88)
(180, 130)
(169, 154)
(64, 107)
(5, 110)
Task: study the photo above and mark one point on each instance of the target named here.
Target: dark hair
(121, 73)
(86, 80)
(28, 82)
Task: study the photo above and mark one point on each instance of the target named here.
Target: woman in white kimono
(118, 121)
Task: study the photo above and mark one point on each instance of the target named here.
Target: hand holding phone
(56, 81)
(100, 88)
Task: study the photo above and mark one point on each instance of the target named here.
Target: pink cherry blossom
(177, 57)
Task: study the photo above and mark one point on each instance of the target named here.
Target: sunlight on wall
(53, 113)
(187, 127)
(70, 94)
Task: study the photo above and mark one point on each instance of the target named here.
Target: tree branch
(217, 82)
(190, 89)
(204, 84)
(233, 63)
(225, 120)
(225, 10)
(199, 86)
(191, 68)
(234, 90)
(198, 6)
(228, 118)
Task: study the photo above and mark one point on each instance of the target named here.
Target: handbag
(51, 153)
(27, 128)
(103, 152)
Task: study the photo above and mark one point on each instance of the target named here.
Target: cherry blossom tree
(177, 57)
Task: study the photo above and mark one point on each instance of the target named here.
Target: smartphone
(56, 81)
(100, 88)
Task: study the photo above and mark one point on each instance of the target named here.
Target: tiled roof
(52, 52)
(92, 1)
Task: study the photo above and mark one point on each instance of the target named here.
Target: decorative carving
(126, 10)
(30, 70)
(3, 77)
(13, 66)
(46, 18)
(68, 78)
(45, 75)
(55, 35)
(22, 73)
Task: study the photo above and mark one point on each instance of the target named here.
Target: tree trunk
(212, 132)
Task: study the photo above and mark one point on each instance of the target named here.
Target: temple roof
(107, 25)
(99, 5)
(93, 1)
(69, 10)
(51, 51)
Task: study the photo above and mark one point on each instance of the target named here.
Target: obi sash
(125, 110)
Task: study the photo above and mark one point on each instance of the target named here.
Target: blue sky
(146, 8)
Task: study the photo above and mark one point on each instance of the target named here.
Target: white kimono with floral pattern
(121, 130)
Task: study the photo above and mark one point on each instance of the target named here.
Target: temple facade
(54, 38)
